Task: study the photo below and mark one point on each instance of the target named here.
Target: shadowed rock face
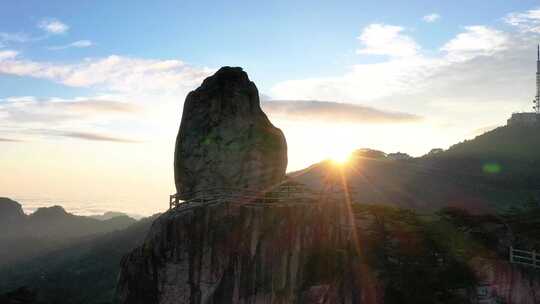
(225, 139)
(243, 254)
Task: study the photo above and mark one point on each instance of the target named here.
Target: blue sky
(95, 89)
(274, 40)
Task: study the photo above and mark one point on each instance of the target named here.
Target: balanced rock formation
(225, 139)
(231, 251)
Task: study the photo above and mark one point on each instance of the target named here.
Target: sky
(91, 92)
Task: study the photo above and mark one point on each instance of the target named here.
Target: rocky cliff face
(509, 283)
(254, 253)
(225, 139)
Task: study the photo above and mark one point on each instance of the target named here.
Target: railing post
(534, 258)
(511, 254)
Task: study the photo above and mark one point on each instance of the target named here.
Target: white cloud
(92, 136)
(53, 26)
(324, 111)
(364, 82)
(126, 84)
(82, 43)
(81, 117)
(431, 18)
(528, 21)
(7, 54)
(480, 68)
(29, 109)
(113, 73)
(76, 44)
(383, 39)
(476, 41)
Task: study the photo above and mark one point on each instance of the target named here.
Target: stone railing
(523, 257)
(281, 193)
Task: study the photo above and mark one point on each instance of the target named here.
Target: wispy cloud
(384, 39)
(8, 39)
(528, 21)
(77, 44)
(114, 73)
(53, 26)
(91, 136)
(32, 110)
(82, 118)
(363, 82)
(431, 18)
(3, 139)
(97, 106)
(332, 112)
(50, 26)
(7, 54)
(14, 37)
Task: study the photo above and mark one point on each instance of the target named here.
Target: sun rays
(340, 157)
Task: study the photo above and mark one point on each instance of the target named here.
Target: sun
(340, 157)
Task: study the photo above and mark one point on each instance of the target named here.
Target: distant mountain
(83, 271)
(26, 236)
(11, 216)
(10, 211)
(519, 143)
(108, 215)
(494, 171)
(506, 157)
(54, 222)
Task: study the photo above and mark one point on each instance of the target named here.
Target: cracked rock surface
(225, 139)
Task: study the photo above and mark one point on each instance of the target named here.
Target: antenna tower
(536, 101)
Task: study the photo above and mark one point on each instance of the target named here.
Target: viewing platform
(284, 192)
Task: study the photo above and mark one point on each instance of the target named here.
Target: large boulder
(225, 139)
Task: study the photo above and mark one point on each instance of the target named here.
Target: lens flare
(340, 157)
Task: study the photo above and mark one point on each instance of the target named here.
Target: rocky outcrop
(254, 253)
(22, 295)
(11, 212)
(225, 139)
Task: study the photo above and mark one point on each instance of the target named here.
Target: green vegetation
(399, 245)
(520, 143)
(507, 157)
(524, 222)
